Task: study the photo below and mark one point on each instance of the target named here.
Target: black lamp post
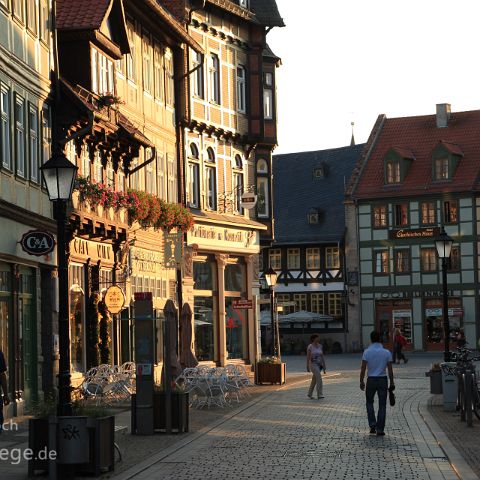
(59, 175)
(443, 244)
(270, 276)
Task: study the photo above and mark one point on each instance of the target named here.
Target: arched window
(211, 180)
(237, 184)
(194, 177)
(263, 189)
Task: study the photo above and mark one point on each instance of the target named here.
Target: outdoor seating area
(107, 385)
(214, 387)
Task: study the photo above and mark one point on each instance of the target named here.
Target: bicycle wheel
(476, 397)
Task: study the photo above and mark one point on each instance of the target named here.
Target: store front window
(77, 317)
(236, 319)
(434, 332)
(5, 302)
(391, 314)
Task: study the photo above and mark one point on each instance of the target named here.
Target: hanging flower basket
(143, 207)
(108, 100)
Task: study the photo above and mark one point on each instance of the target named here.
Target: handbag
(391, 396)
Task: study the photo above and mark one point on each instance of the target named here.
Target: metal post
(446, 322)
(272, 321)
(64, 395)
(277, 328)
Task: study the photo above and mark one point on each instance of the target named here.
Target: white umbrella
(303, 316)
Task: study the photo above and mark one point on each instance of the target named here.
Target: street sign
(37, 242)
(242, 303)
(248, 200)
(114, 299)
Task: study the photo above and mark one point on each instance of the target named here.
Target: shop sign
(415, 294)
(114, 299)
(248, 200)
(221, 238)
(438, 312)
(37, 242)
(430, 232)
(146, 261)
(242, 303)
(173, 250)
(91, 250)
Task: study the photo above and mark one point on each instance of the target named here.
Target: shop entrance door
(392, 313)
(434, 330)
(402, 319)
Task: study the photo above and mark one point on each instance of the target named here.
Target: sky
(349, 61)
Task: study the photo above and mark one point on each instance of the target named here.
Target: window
(284, 298)
(393, 172)
(120, 179)
(169, 81)
(402, 261)
(33, 143)
(194, 178)
(172, 196)
(158, 72)
(85, 161)
(380, 216)
(268, 96)
(131, 66)
(110, 175)
(237, 184)
(313, 216)
(243, 3)
(293, 258)
(214, 78)
(428, 259)
(102, 73)
(5, 127)
(263, 190)
(160, 176)
(313, 258)
(19, 10)
(197, 79)
(317, 303)
(97, 167)
(400, 215)
(300, 300)
(332, 257)
(382, 262)
(442, 168)
(20, 135)
(147, 63)
(32, 16)
(44, 20)
(450, 211)
(335, 304)
(46, 134)
(275, 258)
(427, 213)
(241, 95)
(453, 262)
(319, 172)
(150, 180)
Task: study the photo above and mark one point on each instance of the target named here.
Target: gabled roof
(421, 136)
(296, 191)
(266, 12)
(404, 153)
(81, 14)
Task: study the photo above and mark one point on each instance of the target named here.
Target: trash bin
(73, 444)
(449, 383)
(436, 385)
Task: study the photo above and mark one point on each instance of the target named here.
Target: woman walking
(399, 341)
(315, 362)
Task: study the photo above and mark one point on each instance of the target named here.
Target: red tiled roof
(420, 136)
(81, 14)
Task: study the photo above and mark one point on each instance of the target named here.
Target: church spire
(352, 141)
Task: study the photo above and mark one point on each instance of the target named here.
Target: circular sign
(248, 200)
(37, 242)
(114, 299)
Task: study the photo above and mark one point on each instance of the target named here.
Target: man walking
(376, 360)
(3, 386)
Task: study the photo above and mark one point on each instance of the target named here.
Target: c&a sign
(37, 242)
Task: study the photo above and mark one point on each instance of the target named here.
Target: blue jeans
(378, 385)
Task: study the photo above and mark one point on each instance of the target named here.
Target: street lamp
(59, 175)
(443, 244)
(270, 276)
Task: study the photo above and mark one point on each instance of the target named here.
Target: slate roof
(266, 12)
(421, 136)
(296, 191)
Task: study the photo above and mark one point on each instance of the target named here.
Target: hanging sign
(248, 200)
(37, 242)
(114, 299)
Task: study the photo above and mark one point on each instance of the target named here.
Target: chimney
(443, 114)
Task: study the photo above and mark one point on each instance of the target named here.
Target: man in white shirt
(377, 360)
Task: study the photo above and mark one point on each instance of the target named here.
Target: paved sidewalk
(287, 436)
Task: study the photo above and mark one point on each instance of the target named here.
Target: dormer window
(243, 3)
(313, 216)
(102, 73)
(396, 165)
(445, 160)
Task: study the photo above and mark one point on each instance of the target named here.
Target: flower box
(270, 373)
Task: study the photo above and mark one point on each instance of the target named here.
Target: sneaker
(373, 430)
(320, 396)
(380, 434)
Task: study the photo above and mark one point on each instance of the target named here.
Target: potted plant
(435, 374)
(179, 408)
(270, 370)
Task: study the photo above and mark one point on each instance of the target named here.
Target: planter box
(38, 441)
(179, 409)
(270, 373)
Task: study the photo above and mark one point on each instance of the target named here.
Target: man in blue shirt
(3, 387)
(377, 360)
